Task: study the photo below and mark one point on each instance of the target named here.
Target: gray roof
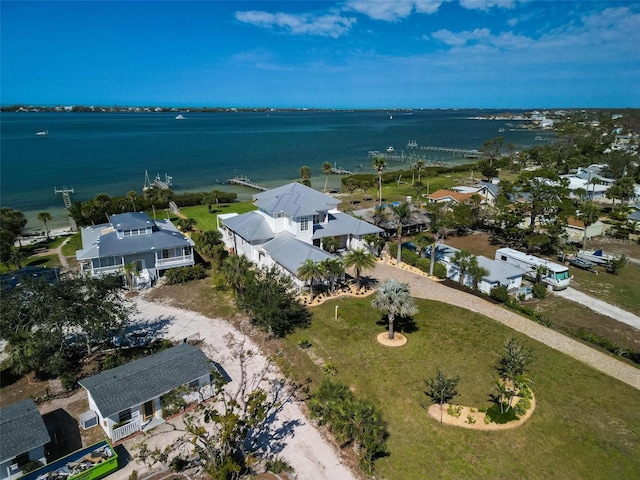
(22, 429)
(102, 240)
(344, 224)
(142, 380)
(492, 187)
(295, 200)
(291, 253)
(251, 226)
(499, 272)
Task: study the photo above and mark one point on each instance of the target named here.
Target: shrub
(185, 274)
(134, 475)
(31, 466)
(329, 369)
(69, 380)
(304, 343)
(178, 464)
(454, 411)
(499, 293)
(278, 465)
(539, 290)
(440, 271)
(112, 360)
(423, 264)
(470, 419)
(409, 257)
(522, 406)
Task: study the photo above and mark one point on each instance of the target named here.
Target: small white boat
(390, 149)
(42, 133)
(181, 117)
(596, 256)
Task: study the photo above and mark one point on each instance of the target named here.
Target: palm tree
(330, 244)
(17, 256)
(394, 299)
(45, 217)
(334, 269)
(305, 174)
(375, 243)
(361, 261)
(439, 219)
(309, 271)
(421, 241)
(477, 272)
(379, 164)
(403, 212)
(464, 259)
(132, 197)
(326, 169)
(236, 270)
(419, 167)
(589, 214)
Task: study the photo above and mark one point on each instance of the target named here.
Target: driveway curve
(424, 287)
(297, 441)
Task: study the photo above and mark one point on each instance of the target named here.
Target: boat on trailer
(596, 256)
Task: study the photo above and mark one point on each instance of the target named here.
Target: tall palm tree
(17, 256)
(375, 243)
(361, 261)
(464, 259)
(45, 217)
(308, 272)
(326, 169)
(334, 269)
(589, 214)
(421, 241)
(419, 167)
(305, 174)
(403, 213)
(477, 272)
(132, 197)
(393, 298)
(236, 270)
(439, 219)
(379, 164)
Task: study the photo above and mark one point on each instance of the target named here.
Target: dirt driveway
(298, 442)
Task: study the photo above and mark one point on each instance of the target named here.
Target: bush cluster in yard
(185, 274)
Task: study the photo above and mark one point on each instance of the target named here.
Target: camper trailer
(553, 274)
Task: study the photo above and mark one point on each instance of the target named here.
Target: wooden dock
(455, 151)
(245, 182)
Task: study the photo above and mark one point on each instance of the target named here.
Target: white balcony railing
(130, 428)
(174, 261)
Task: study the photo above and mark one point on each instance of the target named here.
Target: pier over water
(245, 182)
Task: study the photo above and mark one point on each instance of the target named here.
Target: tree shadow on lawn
(400, 324)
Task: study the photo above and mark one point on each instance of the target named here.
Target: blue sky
(317, 54)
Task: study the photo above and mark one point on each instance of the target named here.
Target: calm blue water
(109, 152)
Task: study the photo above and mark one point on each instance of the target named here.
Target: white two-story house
(134, 242)
(290, 226)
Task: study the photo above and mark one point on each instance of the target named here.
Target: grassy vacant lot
(621, 290)
(586, 424)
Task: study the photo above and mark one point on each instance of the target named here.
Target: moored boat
(181, 117)
(42, 133)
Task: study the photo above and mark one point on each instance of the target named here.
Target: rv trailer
(555, 275)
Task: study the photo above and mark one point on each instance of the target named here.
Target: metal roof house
(289, 226)
(149, 246)
(128, 398)
(500, 273)
(23, 436)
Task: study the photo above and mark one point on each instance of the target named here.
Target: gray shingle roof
(21, 429)
(296, 200)
(251, 226)
(292, 253)
(344, 224)
(142, 380)
(499, 272)
(131, 220)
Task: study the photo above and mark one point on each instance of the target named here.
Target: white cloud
(329, 25)
(392, 10)
(486, 4)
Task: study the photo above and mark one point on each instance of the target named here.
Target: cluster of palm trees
(468, 265)
(333, 269)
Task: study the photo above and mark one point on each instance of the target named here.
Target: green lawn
(586, 424)
(208, 221)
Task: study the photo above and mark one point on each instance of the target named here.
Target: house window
(22, 459)
(193, 385)
(304, 224)
(124, 416)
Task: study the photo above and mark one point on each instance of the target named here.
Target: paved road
(423, 287)
(601, 307)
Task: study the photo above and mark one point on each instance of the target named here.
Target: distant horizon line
(65, 107)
